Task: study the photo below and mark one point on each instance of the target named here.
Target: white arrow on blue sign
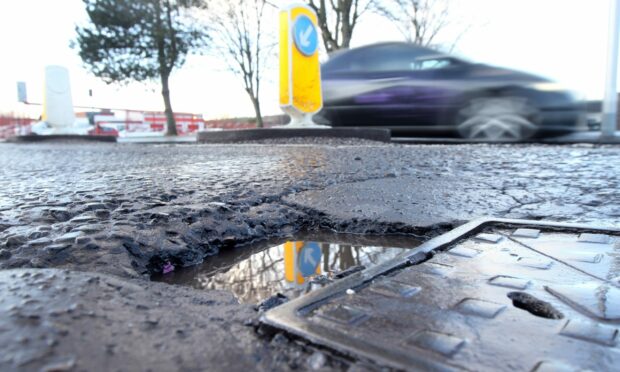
(308, 259)
(305, 35)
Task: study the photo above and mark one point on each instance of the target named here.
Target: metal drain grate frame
(445, 306)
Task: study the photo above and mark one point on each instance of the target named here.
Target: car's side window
(386, 59)
(430, 64)
(382, 60)
(339, 64)
(351, 62)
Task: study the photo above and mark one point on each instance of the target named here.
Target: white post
(57, 101)
(610, 104)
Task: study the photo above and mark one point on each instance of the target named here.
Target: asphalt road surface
(84, 225)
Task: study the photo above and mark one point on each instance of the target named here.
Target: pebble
(317, 360)
(68, 237)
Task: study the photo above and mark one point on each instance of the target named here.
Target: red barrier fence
(11, 126)
(129, 121)
(145, 122)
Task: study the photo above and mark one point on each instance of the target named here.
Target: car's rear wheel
(497, 119)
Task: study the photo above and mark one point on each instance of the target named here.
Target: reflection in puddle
(292, 268)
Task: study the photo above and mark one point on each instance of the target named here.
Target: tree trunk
(259, 117)
(171, 125)
(346, 29)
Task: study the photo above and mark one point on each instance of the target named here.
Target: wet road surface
(128, 210)
(290, 269)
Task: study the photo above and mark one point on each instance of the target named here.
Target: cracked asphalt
(119, 212)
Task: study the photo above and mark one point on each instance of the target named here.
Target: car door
(437, 81)
(370, 87)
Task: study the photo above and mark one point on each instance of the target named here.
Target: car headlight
(548, 86)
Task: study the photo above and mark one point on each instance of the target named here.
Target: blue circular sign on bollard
(305, 35)
(309, 259)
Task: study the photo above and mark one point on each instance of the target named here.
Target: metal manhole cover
(490, 295)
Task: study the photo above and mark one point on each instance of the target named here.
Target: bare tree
(238, 37)
(420, 21)
(337, 20)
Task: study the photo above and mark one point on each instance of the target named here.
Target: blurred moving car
(415, 90)
(104, 129)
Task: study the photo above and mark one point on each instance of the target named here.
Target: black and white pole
(610, 103)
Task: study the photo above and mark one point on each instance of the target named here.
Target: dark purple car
(414, 90)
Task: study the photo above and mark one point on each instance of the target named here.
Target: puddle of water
(292, 268)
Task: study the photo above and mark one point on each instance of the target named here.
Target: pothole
(291, 268)
(534, 306)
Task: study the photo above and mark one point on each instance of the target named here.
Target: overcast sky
(564, 40)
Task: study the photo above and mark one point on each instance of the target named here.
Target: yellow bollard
(300, 71)
(292, 270)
